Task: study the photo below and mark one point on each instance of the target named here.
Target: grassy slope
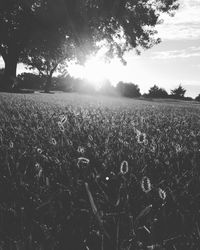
(42, 188)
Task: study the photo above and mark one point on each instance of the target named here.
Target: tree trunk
(9, 77)
(47, 86)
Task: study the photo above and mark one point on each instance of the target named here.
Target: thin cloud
(183, 53)
(184, 25)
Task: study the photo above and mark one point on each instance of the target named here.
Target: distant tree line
(69, 84)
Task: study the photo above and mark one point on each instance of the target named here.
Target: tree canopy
(122, 24)
(198, 98)
(128, 89)
(178, 92)
(156, 92)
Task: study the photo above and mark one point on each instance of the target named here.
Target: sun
(97, 70)
(94, 71)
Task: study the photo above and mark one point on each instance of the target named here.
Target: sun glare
(97, 70)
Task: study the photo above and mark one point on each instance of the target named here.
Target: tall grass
(89, 173)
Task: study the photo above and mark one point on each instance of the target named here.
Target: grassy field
(89, 172)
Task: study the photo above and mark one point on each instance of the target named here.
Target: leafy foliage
(93, 173)
(178, 92)
(121, 24)
(128, 89)
(30, 81)
(198, 98)
(156, 92)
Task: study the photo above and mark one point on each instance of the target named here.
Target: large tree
(156, 92)
(128, 89)
(123, 24)
(198, 98)
(178, 92)
(48, 56)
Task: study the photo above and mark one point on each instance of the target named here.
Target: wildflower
(82, 161)
(11, 144)
(124, 167)
(146, 184)
(162, 194)
(107, 178)
(81, 150)
(53, 141)
(141, 138)
(61, 127)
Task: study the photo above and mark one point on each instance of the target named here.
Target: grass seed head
(63, 119)
(141, 138)
(39, 150)
(82, 162)
(61, 127)
(11, 144)
(81, 150)
(124, 167)
(146, 184)
(53, 141)
(162, 194)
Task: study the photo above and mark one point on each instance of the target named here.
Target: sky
(176, 60)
